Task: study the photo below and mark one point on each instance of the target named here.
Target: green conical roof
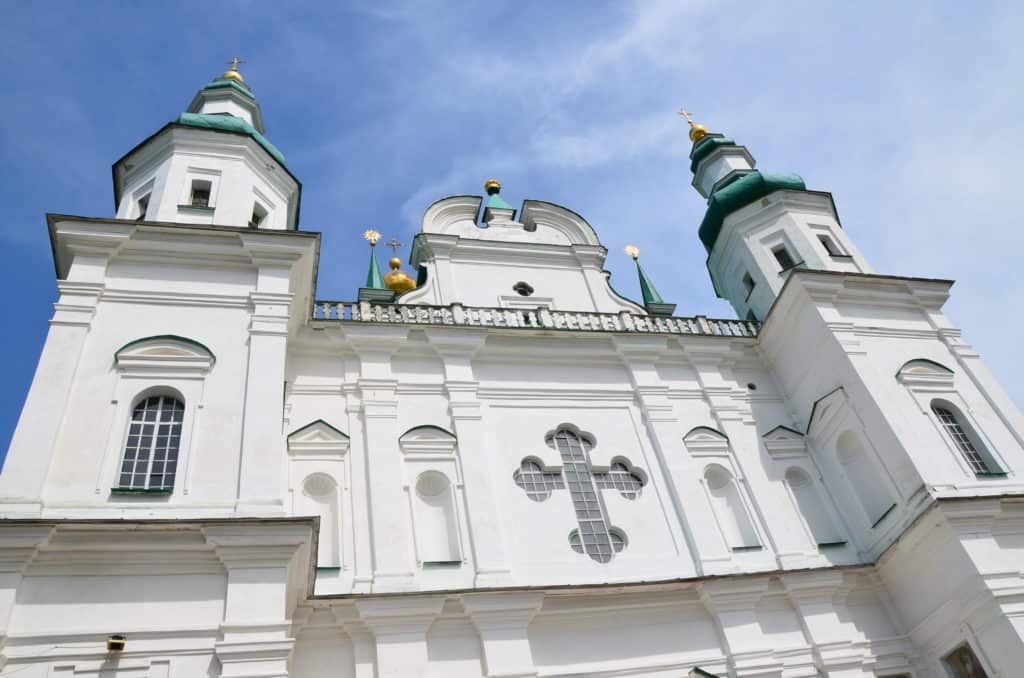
(374, 279)
(651, 295)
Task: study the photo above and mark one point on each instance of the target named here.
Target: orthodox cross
(394, 245)
(683, 113)
(234, 63)
(594, 535)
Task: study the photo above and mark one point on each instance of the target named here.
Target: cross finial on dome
(233, 71)
(697, 130)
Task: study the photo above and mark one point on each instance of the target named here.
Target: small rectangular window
(784, 258)
(748, 284)
(259, 213)
(200, 193)
(962, 663)
(143, 204)
(830, 246)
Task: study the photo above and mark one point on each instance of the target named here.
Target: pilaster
(261, 484)
(18, 547)
(503, 620)
(640, 354)
(456, 348)
(36, 435)
(733, 602)
(388, 507)
(819, 599)
(399, 626)
(267, 570)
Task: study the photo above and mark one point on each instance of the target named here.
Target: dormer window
(200, 196)
(259, 213)
(784, 258)
(143, 204)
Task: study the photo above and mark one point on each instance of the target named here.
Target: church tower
(759, 226)
(210, 165)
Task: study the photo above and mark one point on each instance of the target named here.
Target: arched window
(437, 530)
(320, 497)
(151, 450)
(964, 438)
(867, 483)
(811, 507)
(733, 519)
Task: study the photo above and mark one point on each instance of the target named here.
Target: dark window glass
(784, 258)
(960, 438)
(151, 449)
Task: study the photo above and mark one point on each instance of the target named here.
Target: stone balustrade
(527, 318)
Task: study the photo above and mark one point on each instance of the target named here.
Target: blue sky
(909, 113)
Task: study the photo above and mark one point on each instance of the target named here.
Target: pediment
(704, 440)
(427, 439)
(782, 442)
(825, 409)
(164, 352)
(922, 372)
(317, 437)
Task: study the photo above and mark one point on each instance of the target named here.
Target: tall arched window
(733, 519)
(964, 438)
(151, 450)
(867, 483)
(437, 530)
(811, 507)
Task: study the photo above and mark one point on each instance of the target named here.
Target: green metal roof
(704, 147)
(230, 123)
(495, 201)
(233, 84)
(651, 295)
(374, 279)
(740, 193)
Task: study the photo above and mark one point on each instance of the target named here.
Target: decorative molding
(783, 442)
(427, 440)
(704, 441)
(922, 374)
(317, 438)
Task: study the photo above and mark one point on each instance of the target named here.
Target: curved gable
(164, 350)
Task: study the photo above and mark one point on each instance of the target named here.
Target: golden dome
(492, 186)
(232, 73)
(697, 132)
(396, 279)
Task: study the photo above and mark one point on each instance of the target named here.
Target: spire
(374, 280)
(653, 302)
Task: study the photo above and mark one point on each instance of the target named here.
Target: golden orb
(698, 132)
(492, 186)
(397, 280)
(233, 75)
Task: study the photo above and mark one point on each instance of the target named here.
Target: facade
(496, 466)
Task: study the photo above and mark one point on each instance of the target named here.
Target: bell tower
(759, 226)
(210, 165)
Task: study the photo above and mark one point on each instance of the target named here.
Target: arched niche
(733, 519)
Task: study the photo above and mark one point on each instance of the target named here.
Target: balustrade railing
(532, 318)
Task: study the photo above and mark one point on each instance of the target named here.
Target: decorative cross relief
(595, 536)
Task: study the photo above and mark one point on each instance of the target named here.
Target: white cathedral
(496, 465)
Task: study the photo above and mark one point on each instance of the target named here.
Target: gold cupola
(232, 73)
(697, 130)
(397, 280)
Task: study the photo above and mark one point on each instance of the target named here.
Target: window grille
(537, 482)
(962, 441)
(593, 530)
(151, 451)
(620, 478)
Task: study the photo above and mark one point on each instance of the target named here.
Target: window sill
(799, 264)
(197, 208)
(831, 544)
(992, 474)
(841, 256)
(744, 549)
(442, 563)
(138, 490)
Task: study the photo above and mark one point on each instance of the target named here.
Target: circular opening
(523, 289)
(431, 484)
(717, 477)
(318, 485)
(752, 386)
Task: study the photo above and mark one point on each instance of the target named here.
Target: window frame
(978, 444)
(158, 365)
(783, 249)
(151, 454)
